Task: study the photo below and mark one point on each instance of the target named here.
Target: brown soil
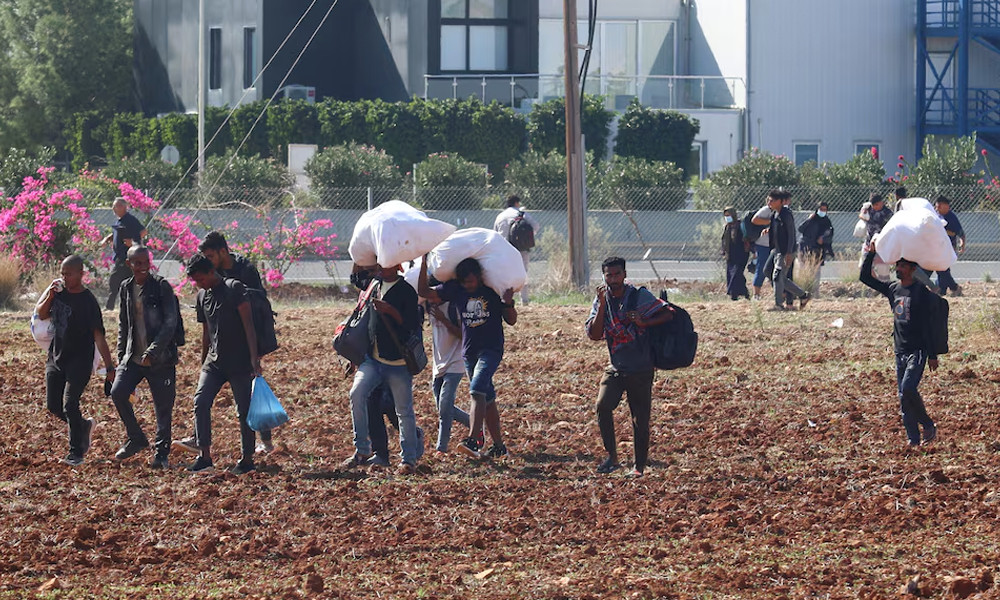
(779, 470)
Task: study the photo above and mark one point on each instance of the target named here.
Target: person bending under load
(228, 353)
(622, 315)
(483, 313)
(79, 327)
(909, 301)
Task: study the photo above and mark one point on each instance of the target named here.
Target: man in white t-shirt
(502, 226)
(762, 248)
(449, 367)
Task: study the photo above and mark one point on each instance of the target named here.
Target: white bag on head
(916, 232)
(501, 262)
(394, 233)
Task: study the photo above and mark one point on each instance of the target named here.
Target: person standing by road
(621, 315)
(147, 327)
(783, 240)
(507, 223)
(79, 328)
(912, 332)
(228, 353)
(816, 243)
(127, 231)
(957, 236)
(736, 252)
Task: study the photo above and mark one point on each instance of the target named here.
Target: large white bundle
(393, 233)
(916, 233)
(44, 331)
(501, 262)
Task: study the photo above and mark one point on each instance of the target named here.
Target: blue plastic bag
(265, 410)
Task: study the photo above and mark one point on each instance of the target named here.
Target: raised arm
(869, 279)
(424, 290)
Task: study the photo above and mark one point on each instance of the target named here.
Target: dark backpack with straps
(521, 234)
(937, 317)
(674, 343)
(263, 321)
(751, 232)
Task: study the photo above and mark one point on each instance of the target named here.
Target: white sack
(501, 262)
(393, 233)
(42, 330)
(916, 233)
(412, 273)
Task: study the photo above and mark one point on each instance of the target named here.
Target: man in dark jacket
(912, 335)
(126, 232)
(736, 252)
(816, 242)
(147, 325)
(783, 240)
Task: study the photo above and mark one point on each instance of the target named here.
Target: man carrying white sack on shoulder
(513, 224)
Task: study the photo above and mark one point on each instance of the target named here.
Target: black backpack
(937, 317)
(750, 231)
(179, 331)
(674, 343)
(521, 234)
(263, 321)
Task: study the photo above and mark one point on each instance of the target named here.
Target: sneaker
(200, 465)
(470, 447)
(159, 462)
(635, 473)
(243, 467)
(264, 447)
(354, 460)
(498, 450)
(188, 444)
(405, 468)
(804, 300)
(958, 291)
(776, 308)
(609, 466)
(73, 460)
(930, 434)
(129, 450)
(377, 461)
(88, 434)
(420, 442)
(756, 298)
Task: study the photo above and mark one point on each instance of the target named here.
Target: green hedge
(547, 126)
(657, 135)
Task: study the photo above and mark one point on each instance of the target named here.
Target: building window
(474, 35)
(215, 58)
(806, 153)
(249, 56)
(864, 147)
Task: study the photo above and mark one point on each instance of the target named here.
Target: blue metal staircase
(946, 104)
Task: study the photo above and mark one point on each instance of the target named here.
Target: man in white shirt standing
(508, 222)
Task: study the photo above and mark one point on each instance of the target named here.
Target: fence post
(371, 204)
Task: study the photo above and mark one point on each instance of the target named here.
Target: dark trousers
(209, 383)
(162, 386)
(119, 273)
(736, 280)
(639, 389)
(946, 281)
(63, 390)
(381, 404)
(909, 372)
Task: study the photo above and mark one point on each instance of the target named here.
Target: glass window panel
(249, 56)
(550, 47)
(215, 58)
(453, 48)
(453, 9)
(656, 48)
(618, 64)
(487, 9)
(487, 48)
(805, 153)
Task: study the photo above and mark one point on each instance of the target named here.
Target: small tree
(339, 174)
(744, 182)
(449, 182)
(547, 125)
(657, 135)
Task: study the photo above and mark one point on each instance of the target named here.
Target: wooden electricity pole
(579, 266)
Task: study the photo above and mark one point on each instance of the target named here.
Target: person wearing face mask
(736, 250)
(816, 242)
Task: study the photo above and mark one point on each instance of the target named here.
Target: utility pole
(579, 266)
(201, 87)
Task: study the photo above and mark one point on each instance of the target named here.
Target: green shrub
(85, 135)
(659, 135)
(547, 125)
(16, 164)
(341, 122)
(291, 122)
(741, 183)
(397, 130)
(149, 175)
(449, 182)
(338, 175)
(860, 169)
(241, 121)
(631, 183)
(218, 136)
(132, 135)
(180, 131)
(253, 180)
(492, 133)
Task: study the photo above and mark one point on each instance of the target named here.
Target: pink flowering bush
(283, 244)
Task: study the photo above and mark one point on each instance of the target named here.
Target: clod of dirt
(207, 547)
(985, 581)
(961, 587)
(85, 532)
(52, 584)
(966, 373)
(313, 584)
(938, 476)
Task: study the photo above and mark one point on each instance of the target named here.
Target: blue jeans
(909, 372)
(481, 369)
(445, 388)
(370, 374)
(762, 253)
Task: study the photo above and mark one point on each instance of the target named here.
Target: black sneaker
(73, 460)
(804, 300)
(88, 434)
(609, 466)
(159, 462)
(188, 444)
(498, 450)
(930, 434)
(200, 465)
(129, 450)
(243, 467)
(470, 447)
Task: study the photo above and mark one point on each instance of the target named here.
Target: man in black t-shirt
(229, 354)
(79, 327)
(126, 232)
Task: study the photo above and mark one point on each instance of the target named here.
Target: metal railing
(692, 92)
(983, 103)
(947, 13)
